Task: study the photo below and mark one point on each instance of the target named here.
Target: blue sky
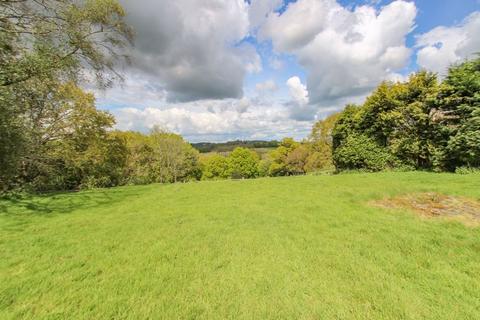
(265, 69)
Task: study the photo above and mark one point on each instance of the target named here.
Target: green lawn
(284, 248)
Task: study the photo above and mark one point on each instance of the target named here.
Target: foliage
(289, 158)
(321, 144)
(362, 152)
(159, 157)
(47, 125)
(174, 159)
(297, 159)
(67, 143)
(279, 165)
(205, 147)
(421, 123)
(243, 164)
(56, 38)
(216, 167)
(459, 115)
(467, 170)
(139, 157)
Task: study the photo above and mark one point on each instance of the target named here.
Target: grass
(286, 248)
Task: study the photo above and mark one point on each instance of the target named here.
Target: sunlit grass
(286, 248)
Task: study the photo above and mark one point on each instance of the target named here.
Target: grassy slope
(303, 247)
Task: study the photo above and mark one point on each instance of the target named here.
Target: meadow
(307, 247)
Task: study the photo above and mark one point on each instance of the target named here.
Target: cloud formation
(193, 59)
(345, 52)
(443, 46)
(216, 120)
(259, 11)
(298, 91)
(191, 47)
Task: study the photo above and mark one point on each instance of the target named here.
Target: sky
(219, 70)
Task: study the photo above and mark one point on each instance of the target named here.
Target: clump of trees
(418, 124)
(314, 154)
(158, 157)
(241, 163)
(289, 158)
(51, 134)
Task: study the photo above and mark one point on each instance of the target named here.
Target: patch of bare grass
(436, 205)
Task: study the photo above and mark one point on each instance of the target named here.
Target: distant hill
(205, 147)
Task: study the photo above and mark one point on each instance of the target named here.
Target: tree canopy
(51, 134)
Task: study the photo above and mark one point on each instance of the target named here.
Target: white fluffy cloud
(444, 46)
(298, 91)
(299, 107)
(344, 52)
(190, 47)
(216, 120)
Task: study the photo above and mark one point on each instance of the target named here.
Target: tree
(12, 141)
(174, 159)
(297, 159)
(140, 157)
(44, 45)
(216, 167)
(243, 163)
(321, 144)
(347, 123)
(68, 142)
(398, 118)
(278, 157)
(412, 134)
(459, 115)
(56, 38)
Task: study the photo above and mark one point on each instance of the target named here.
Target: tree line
(205, 147)
(422, 123)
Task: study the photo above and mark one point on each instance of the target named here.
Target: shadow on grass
(63, 203)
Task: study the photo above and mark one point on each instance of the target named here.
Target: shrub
(467, 170)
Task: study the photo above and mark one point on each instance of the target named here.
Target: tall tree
(44, 43)
(174, 159)
(68, 141)
(321, 144)
(459, 115)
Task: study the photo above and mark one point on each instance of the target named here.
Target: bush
(467, 170)
(359, 152)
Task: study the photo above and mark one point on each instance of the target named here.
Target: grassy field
(285, 248)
